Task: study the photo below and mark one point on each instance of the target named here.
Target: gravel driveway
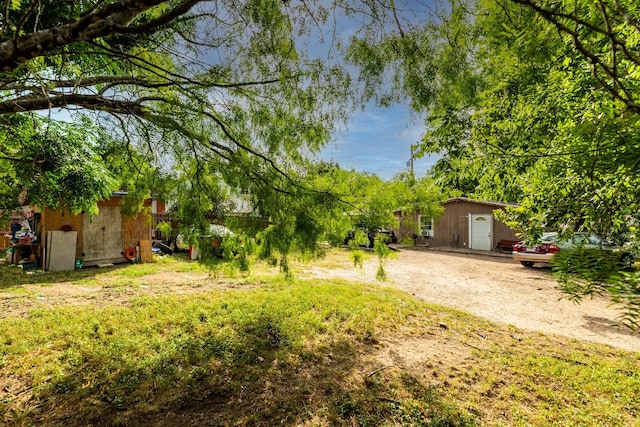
(498, 289)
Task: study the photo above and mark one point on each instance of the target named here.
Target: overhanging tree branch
(90, 102)
(113, 18)
(607, 72)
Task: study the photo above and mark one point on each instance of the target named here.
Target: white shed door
(481, 229)
(102, 236)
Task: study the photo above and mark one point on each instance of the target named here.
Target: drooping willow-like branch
(605, 62)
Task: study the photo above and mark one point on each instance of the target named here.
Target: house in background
(240, 215)
(466, 223)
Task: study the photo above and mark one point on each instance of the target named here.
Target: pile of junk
(25, 244)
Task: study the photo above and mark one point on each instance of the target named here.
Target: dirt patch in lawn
(107, 290)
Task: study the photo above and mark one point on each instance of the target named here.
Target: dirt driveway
(497, 289)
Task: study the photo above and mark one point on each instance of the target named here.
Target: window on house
(425, 226)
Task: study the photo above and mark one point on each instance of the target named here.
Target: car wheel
(527, 263)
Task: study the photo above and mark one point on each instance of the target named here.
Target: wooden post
(146, 254)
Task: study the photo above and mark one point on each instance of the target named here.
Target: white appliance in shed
(61, 250)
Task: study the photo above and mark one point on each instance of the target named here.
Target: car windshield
(549, 237)
(219, 230)
(577, 239)
(595, 240)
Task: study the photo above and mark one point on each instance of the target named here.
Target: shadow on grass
(13, 276)
(261, 381)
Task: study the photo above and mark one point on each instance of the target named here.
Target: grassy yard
(177, 343)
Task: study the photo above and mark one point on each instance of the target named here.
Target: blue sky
(378, 140)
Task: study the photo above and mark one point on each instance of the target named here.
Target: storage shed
(104, 239)
(466, 223)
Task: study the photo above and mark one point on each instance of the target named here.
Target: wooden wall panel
(456, 220)
(134, 229)
(453, 221)
(102, 236)
(502, 231)
(5, 228)
(5, 242)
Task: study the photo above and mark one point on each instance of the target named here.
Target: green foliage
(417, 195)
(284, 267)
(199, 196)
(382, 251)
(239, 248)
(381, 273)
(392, 65)
(368, 201)
(594, 268)
(535, 132)
(165, 229)
(233, 252)
(588, 272)
(358, 257)
(360, 238)
(606, 38)
(59, 166)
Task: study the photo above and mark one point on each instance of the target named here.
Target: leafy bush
(165, 229)
(587, 272)
(358, 257)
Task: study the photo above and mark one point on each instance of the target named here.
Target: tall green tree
(606, 35)
(417, 195)
(225, 93)
(179, 79)
(522, 117)
(368, 200)
(542, 113)
(59, 165)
